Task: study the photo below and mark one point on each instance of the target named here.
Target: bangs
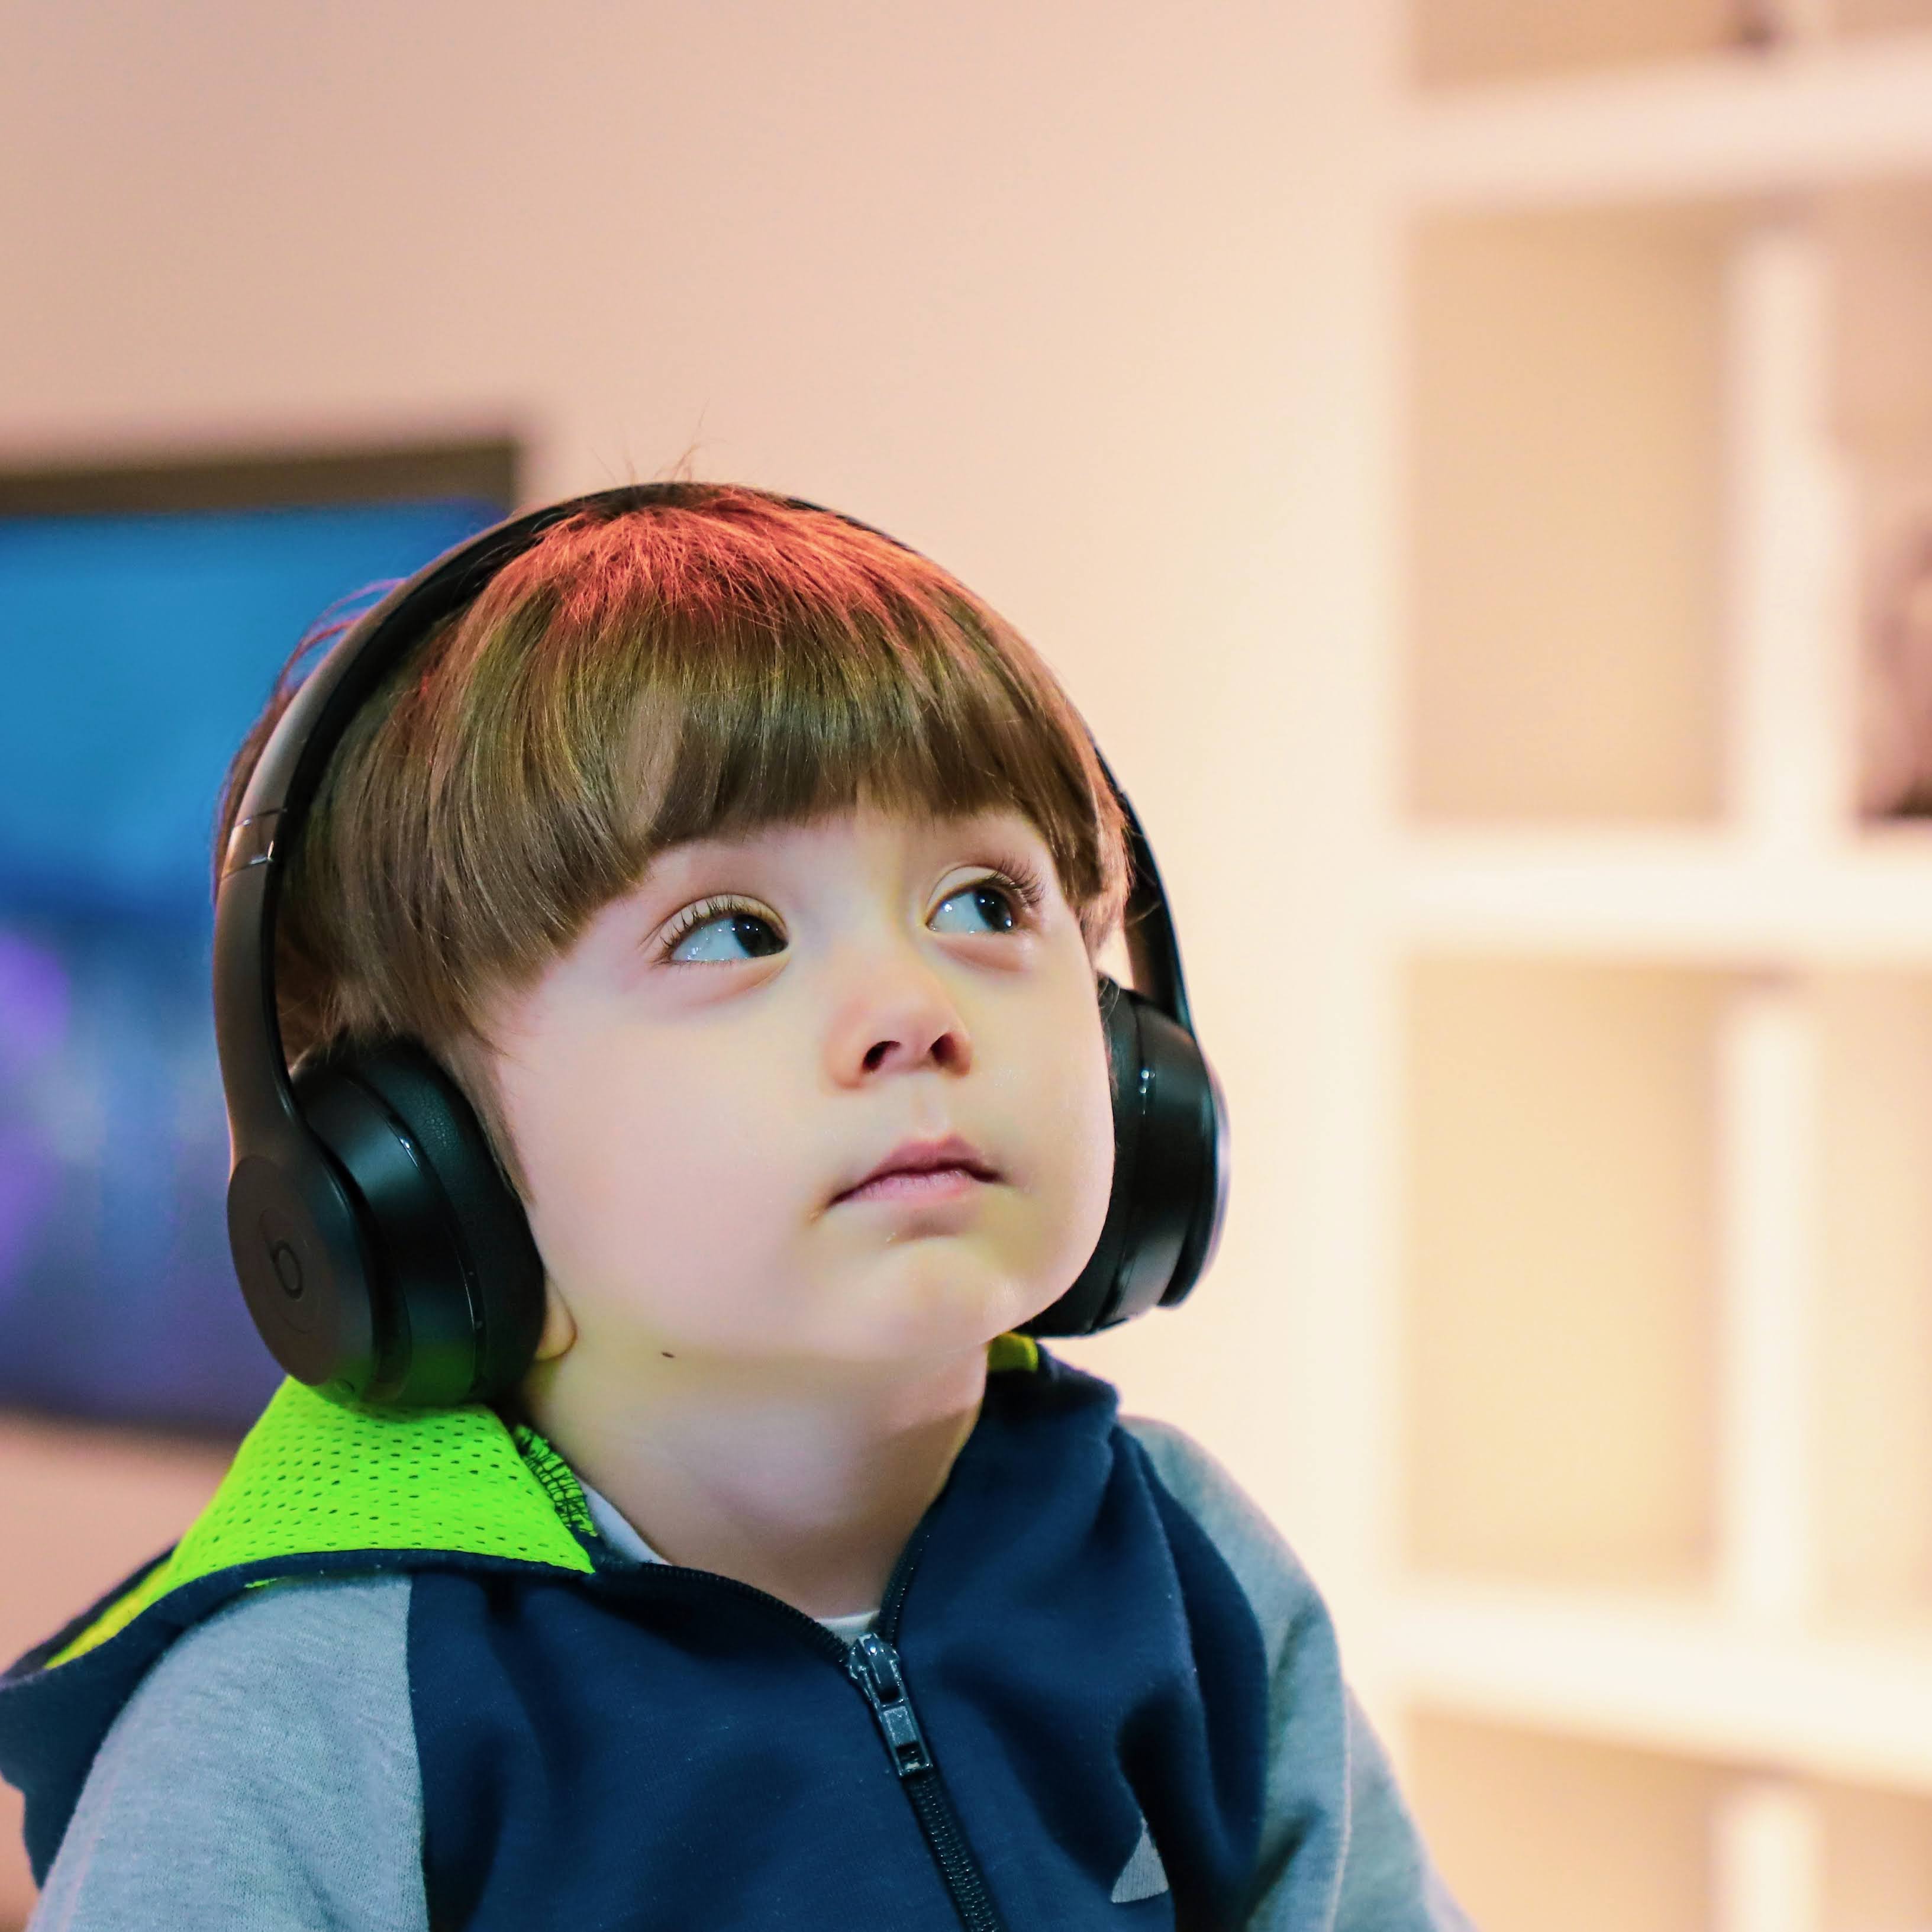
(703, 667)
(765, 732)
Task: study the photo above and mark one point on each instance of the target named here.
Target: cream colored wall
(1088, 301)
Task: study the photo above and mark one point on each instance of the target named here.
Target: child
(735, 862)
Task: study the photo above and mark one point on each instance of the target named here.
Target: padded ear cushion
(1170, 1171)
(459, 1284)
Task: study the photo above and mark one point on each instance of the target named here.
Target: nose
(896, 1013)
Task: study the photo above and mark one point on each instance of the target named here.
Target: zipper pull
(874, 1666)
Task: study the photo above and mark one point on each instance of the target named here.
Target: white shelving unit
(1746, 1669)
(1694, 1678)
(1729, 124)
(1703, 898)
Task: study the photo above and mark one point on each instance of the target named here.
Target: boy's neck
(802, 1486)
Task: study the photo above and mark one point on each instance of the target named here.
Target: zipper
(873, 1663)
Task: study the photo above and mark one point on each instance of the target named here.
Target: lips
(924, 1157)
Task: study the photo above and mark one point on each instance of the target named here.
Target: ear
(559, 1326)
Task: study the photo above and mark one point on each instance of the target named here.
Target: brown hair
(698, 660)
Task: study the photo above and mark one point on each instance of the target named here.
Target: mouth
(923, 1171)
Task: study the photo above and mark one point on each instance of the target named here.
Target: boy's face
(686, 1113)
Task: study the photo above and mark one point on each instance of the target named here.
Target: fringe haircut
(702, 662)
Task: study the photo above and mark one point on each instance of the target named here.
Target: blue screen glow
(135, 651)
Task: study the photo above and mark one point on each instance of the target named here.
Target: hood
(316, 1489)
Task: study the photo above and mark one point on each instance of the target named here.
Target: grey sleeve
(262, 1778)
(1339, 1851)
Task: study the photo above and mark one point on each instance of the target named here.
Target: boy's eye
(998, 904)
(701, 931)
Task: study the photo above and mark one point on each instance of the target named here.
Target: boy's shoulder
(1324, 1761)
(317, 1493)
(1278, 1588)
(271, 1750)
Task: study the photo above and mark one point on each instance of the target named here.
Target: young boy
(749, 875)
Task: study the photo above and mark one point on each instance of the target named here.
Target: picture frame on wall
(146, 611)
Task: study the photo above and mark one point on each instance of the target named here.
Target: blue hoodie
(393, 1677)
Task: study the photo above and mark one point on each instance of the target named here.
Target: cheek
(1076, 1126)
(637, 1165)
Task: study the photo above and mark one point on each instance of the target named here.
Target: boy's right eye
(731, 918)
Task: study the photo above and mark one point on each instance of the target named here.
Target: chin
(950, 1320)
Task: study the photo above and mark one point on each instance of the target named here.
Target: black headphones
(384, 1257)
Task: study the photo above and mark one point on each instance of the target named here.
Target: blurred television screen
(138, 647)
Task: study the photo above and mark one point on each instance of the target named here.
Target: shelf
(1671, 1677)
(1658, 1024)
(1690, 896)
(1724, 124)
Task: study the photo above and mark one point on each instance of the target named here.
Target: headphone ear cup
(1088, 1306)
(1170, 1172)
(455, 1281)
(1209, 1213)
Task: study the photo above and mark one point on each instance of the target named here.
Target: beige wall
(1086, 300)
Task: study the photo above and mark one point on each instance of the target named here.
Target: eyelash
(1025, 885)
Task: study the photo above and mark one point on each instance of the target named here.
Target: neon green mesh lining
(312, 1476)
